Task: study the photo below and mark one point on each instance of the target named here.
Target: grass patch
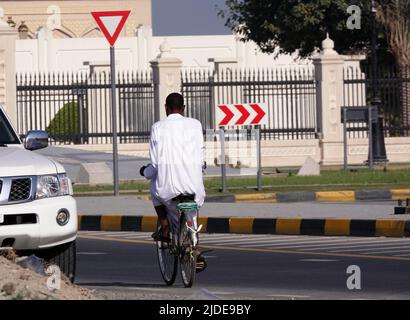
(328, 180)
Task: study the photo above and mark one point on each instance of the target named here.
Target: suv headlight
(52, 186)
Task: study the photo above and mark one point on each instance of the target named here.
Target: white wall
(46, 53)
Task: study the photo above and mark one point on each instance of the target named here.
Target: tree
(279, 26)
(395, 18)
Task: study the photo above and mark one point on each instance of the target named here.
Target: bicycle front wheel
(187, 258)
(168, 262)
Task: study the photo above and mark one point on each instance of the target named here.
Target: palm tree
(394, 16)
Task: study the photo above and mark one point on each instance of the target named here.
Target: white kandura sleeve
(151, 170)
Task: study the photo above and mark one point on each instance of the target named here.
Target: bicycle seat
(184, 198)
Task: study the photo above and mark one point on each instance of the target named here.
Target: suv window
(7, 134)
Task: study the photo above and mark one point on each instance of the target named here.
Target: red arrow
(245, 114)
(229, 115)
(260, 113)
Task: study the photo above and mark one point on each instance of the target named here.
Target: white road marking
(348, 245)
(92, 253)
(246, 240)
(296, 244)
(371, 247)
(293, 296)
(313, 242)
(319, 260)
(388, 250)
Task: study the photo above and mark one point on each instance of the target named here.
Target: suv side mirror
(36, 140)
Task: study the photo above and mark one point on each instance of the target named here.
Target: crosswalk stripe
(296, 244)
(137, 237)
(245, 240)
(133, 234)
(355, 244)
(377, 250)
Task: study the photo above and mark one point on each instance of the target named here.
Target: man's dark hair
(175, 101)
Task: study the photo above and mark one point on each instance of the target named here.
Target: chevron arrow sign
(241, 114)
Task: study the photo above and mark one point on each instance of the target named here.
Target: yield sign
(111, 23)
(241, 114)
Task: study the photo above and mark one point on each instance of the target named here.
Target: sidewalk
(128, 213)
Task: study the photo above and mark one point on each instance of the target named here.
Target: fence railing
(289, 93)
(76, 108)
(393, 86)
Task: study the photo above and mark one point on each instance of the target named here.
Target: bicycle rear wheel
(187, 257)
(168, 262)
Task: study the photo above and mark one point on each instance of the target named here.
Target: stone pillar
(329, 94)
(166, 72)
(46, 50)
(8, 38)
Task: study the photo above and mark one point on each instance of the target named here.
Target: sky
(188, 17)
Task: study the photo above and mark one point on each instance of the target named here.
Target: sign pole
(223, 164)
(114, 122)
(259, 157)
(111, 23)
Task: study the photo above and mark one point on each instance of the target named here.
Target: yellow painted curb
(204, 222)
(149, 223)
(335, 196)
(288, 226)
(400, 194)
(256, 198)
(111, 223)
(390, 228)
(337, 227)
(241, 225)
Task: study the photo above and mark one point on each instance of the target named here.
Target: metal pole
(259, 157)
(114, 122)
(370, 137)
(223, 164)
(345, 139)
(375, 93)
(379, 147)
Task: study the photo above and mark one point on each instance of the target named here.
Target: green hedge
(65, 126)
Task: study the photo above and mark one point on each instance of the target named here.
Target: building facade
(71, 18)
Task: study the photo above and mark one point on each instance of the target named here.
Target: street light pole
(378, 145)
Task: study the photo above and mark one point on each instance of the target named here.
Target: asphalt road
(124, 266)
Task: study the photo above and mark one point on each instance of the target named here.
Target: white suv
(37, 211)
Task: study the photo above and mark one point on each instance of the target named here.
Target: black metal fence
(393, 85)
(290, 94)
(76, 108)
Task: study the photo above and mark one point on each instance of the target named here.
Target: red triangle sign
(111, 23)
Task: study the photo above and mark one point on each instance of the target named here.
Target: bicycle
(182, 247)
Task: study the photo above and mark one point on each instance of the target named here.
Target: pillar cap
(328, 46)
(165, 49)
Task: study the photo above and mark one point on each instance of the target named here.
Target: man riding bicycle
(177, 157)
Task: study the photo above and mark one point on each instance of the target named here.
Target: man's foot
(162, 234)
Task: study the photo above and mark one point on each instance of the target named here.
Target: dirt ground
(17, 283)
